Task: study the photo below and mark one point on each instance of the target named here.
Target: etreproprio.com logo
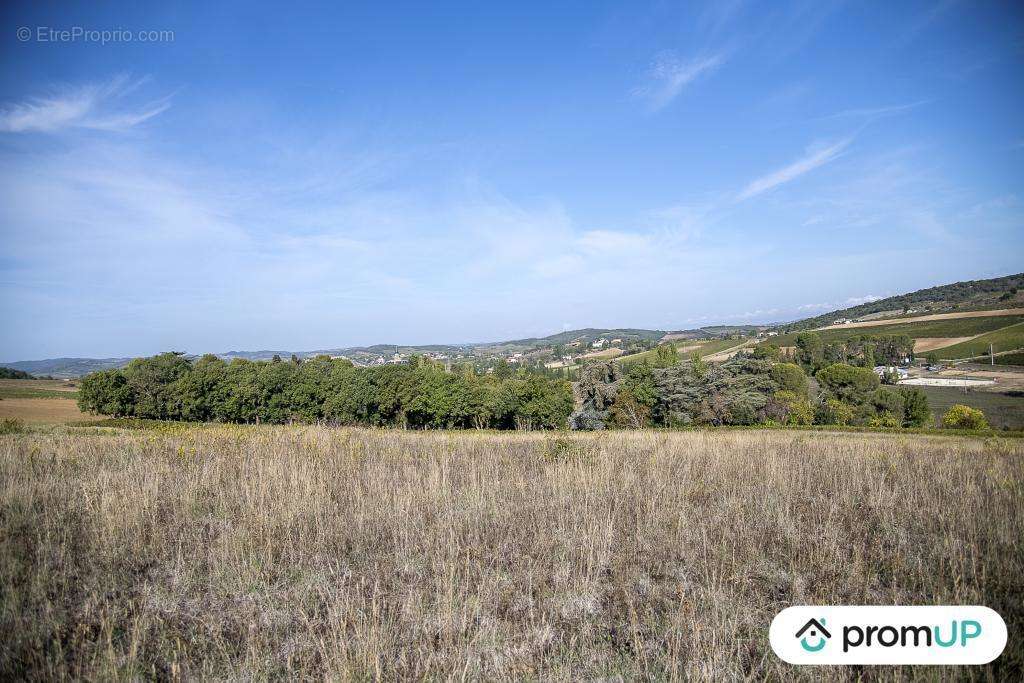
(887, 635)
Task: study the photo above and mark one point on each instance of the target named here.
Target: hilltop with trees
(994, 293)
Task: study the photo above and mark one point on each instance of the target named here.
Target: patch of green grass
(1005, 339)
(1001, 410)
(955, 327)
(11, 426)
(137, 424)
(1011, 359)
(706, 349)
(20, 392)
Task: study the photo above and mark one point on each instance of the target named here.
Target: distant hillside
(1000, 292)
(587, 335)
(67, 367)
(11, 373)
(1004, 292)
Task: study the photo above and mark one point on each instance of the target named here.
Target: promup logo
(817, 630)
(888, 635)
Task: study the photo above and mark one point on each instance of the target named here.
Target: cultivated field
(1001, 410)
(1006, 339)
(928, 317)
(708, 349)
(915, 328)
(273, 552)
(38, 388)
(42, 410)
(40, 401)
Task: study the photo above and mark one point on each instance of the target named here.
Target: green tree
(868, 352)
(636, 398)
(502, 369)
(790, 377)
(151, 379)
(847, 383)
(199, 393)
(810, 350)
(107, 393)
(916, 411)
(887, 401)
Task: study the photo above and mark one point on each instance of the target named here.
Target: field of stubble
(273, 552)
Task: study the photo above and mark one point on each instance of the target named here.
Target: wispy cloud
(873, 112)
(838, 305)
(812, 160)
(669, 75)
(92, 107)
(612, 241)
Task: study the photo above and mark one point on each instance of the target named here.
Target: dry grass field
(273, 552)
(42, 410)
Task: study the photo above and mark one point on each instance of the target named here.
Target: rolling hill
(974, 295)
(910, 314)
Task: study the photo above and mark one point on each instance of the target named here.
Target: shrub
(11, 425)
(964, 417)
(768, 352)
(834, 412)
(885, 420)
(793, 409)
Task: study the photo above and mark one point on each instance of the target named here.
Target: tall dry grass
(272, 552)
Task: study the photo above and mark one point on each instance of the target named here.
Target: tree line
(417, 395)
(11, 373)
(745, 390)
(812, 353)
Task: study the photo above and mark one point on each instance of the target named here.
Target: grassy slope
(36, 388)
(959, 327)
(706, 348)
(277, 552)
(1011, 359)
(1002, 411)
(1005, 339)
(19, 392)
(969, 295)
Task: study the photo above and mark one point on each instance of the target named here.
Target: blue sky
(356, 173)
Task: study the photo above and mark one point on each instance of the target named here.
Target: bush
(964, 417)
(834, 412)
(885, 420)
(11, 425)
(793, 409)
